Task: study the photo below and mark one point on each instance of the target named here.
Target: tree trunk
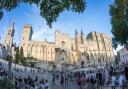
(9, 68)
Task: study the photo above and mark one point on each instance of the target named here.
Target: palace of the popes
(93, 50)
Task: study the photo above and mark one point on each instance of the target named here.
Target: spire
(82, 38)
(76, 39)
(45, 40)
(12, 27)
(13, 24)
(76, 32)
(82, 32)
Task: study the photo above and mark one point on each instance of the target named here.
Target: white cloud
(40, 29)
(42, 32)
(38, 34)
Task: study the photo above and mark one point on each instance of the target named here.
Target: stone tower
(9, 37)
(62, 48)
(82, 37)
(26, 37)
(76, 40)
(79, 39)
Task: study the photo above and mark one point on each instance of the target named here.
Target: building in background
(8, 41)
(80, 51)
(93, 50)
(123, 55)
(3, 51)
(7, 46)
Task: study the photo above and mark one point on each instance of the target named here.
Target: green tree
(49, 9)
(21, 56)
(7, 84)
(21, 52)
(23, 61)
(17, 56)
(32, 64)
(119, 21)
(9, 58)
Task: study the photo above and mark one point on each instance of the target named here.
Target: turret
(76, 40)
(82, 37)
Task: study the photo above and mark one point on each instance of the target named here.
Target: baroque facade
(93, 50)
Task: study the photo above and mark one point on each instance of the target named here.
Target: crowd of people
(101, 78)
(29, 83)
(22, 81)
(110, 76)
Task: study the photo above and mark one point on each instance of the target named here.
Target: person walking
(113, 81)
(84, 82)
(53, 79)
(66, 79)
(40, 86)
(46, 85)
(126, 73)
(62, 80)
(121, 80)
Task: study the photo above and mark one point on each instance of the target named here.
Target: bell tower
(26, 35)
(25, 38)
(82, 37)
(9, 37)
(76, 40)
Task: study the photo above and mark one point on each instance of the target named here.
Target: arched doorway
(33, 51)
(82, 56)
(63, 55)
(82, 59)
(63, 58)
(82, 64)
(29, 51)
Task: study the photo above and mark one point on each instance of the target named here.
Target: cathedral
(93, 50)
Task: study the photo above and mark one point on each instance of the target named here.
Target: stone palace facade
(93, 50)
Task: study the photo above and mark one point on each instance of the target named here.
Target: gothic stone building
(94, 50)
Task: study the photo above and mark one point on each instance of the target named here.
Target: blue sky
(95, 18)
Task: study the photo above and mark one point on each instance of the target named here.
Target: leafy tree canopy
(17, 55)
(7, 84)
(119, 21)
(49, 9)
